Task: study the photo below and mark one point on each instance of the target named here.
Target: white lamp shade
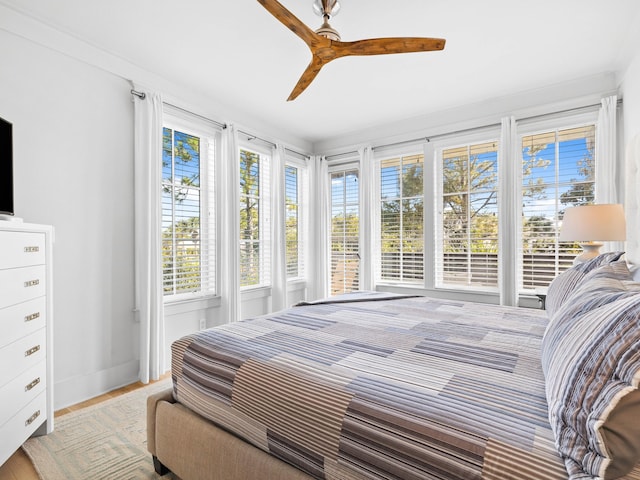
(594, 223)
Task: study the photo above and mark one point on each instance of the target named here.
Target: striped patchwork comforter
(380, 388)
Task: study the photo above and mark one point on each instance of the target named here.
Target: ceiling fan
(325, 43)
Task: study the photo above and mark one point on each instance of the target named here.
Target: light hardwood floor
(19, 467)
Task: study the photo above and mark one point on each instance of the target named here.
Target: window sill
(251, 293)
(467, 295)
(296, 284)
(175, 307)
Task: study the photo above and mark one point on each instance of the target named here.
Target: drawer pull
(32, 418)
(34, 249)
(32, 283)
(32, 384)
(32, 350)
(31, 317)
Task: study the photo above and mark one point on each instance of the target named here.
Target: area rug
(104, 441)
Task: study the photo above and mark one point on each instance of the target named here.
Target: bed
(371, 385)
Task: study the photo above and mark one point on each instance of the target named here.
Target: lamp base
(591, 250)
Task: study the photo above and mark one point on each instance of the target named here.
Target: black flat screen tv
(6, 168)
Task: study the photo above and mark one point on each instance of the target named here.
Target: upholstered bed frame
(351, 387)
(195, 449)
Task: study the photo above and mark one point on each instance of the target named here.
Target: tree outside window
(402, 219)
(181, 232)
(558, 172)
(292, 222)
(469, 236)
(345, 231)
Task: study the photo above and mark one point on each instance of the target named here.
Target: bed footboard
(194, 448)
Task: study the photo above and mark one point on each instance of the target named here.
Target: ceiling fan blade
(290, 21)
(382, 46)
(307, 77)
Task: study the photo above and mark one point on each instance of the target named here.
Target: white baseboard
(77, 389)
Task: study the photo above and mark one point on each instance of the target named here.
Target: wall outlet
(203, 323)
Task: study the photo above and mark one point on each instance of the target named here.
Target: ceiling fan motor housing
(326, 8)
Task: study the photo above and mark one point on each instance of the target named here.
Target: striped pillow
(591, 361)
(602, 285)
(564, 284)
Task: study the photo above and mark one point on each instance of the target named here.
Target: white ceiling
(238, 54)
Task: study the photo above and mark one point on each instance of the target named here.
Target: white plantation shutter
(295, 180)
(255, 219)
(345, 231)
(558, 172)
(468, 224)
(188, 213)
(402, 219)
(208, 231)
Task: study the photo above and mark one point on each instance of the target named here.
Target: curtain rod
(142, 96)
(467, 130)
(252, 137)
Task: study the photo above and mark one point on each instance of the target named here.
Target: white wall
(73, 163)
(568, 95)
(630, 91)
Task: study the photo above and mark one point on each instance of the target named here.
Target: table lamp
(590, 225)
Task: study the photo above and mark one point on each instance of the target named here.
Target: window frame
(210, 140)
(343, 167)
(434, 208)
(491, 135)
(539, 126)
(381, 156)
(264, 215)
(302, 169)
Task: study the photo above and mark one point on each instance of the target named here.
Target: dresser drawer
(22, 319)
(21, 249)
(22, 390)
(21, 284)
(21, 355)
(22, 425)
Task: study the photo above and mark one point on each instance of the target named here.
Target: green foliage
(533, 186)
(249, 218)
(582, 192)
(184, 151)
(181, 256)
(402, 225)
(538, 235)
(469, 191)
(181, 239)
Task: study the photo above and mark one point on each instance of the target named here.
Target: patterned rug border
(102, 441)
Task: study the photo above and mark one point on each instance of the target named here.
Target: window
(468, 230)
(188, 248)
(345, 231)
(255, 252)
(293, 222)
(558, 171)
(401, 219)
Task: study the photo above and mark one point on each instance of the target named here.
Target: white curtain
(319, 241)
(367, 218)
(278, 231)
(609, 185)
(632, 201)
(508, 165)
(607, 182)
(230, 221)
(148, 243)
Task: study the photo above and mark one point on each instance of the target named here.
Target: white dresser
(26, 326)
